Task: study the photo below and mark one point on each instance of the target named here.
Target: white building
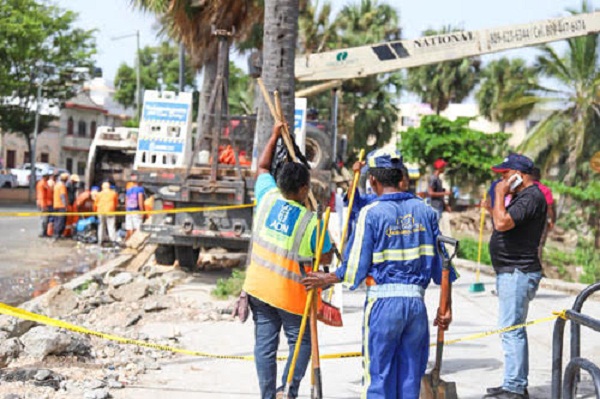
(411, 113)
(79, 120)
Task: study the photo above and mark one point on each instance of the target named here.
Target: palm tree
(193, 23)
(507, 91)
(446, 82)
(279, 45)
(368, 110)
(564, 134)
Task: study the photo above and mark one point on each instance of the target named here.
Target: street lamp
(137, 68)
(32, 156)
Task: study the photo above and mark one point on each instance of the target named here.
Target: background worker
(393, 249)
(284, 239)
(134, 201)
(514, 251)
(44, 202)
(436, 189)
(106, 201)
(536, 175)
(59, 205)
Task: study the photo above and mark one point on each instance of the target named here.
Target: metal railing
(564, 387)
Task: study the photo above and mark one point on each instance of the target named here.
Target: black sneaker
(500, 392)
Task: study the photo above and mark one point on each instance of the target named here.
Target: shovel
(432, 386)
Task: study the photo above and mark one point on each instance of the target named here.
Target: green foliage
(562, 138)
(40, 46)
(231, 286)
(584, 255)
(470, 153)
(468, 249)
(84, 286)
(241, 91)
(591, 191)
(506, 93)
(159, 70)
(446, 82)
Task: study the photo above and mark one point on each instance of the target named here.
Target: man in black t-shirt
(436, 190)
(514, 246)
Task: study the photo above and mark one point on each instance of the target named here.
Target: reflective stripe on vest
(273, 275)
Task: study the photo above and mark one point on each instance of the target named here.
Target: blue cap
(515, 162)
(385, 159)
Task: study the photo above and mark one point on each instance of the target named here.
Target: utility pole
(33, 176)
(181, 67)
(138, 78)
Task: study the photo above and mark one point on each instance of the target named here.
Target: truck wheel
(318, 148)
(187, 257)
(165, 254)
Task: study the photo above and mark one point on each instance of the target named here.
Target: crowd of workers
(60, 196)
(392, 250)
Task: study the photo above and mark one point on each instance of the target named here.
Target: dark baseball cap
(515, 162)
(383, 158)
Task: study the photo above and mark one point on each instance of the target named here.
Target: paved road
(28, 263)
(473, 365)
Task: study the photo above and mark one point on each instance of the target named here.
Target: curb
(548, 283)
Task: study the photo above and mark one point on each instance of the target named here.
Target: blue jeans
(268, 321)
(515, 291)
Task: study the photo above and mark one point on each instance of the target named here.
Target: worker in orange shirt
(106, 201)
(41, 194)
(60, 205)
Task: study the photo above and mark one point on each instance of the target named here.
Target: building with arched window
(79, 120)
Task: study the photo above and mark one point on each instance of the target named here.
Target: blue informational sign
(299, 118)
(159, 146)
(165, 111)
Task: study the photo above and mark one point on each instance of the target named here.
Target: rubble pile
(38, 361)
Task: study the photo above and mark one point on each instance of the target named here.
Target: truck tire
(165, 254)
(187, 257)
(318, 148)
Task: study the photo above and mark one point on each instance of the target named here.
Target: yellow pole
(481, 224)
(309, 299)
(361, 156)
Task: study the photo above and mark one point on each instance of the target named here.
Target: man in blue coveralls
(392, 249)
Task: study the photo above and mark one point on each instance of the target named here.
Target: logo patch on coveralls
(405, 225)
(282, 218)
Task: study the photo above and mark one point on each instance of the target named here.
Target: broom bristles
(330, 315)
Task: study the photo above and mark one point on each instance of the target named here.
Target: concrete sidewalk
(473, 365)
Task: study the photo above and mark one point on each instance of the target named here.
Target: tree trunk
(210, 74)
(279, 46)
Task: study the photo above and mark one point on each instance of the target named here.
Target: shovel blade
(437, 390)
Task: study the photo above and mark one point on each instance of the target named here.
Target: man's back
(106, 201)
(396, 234)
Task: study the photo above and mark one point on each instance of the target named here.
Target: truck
(198, 180)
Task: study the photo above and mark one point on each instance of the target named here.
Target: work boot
(501, 393)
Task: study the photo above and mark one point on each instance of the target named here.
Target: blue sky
(117, 18)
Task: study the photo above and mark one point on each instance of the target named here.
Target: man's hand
(443, 320)
(503, 187)
(318, 280)
(277, 128)
(550, 224)
(358, 166)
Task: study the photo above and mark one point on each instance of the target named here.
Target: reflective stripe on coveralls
(273, 275)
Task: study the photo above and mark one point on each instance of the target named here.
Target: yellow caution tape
(26, 315)
(120, 213)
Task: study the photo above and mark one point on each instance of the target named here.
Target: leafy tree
(241, 91)
(159, 70)
(507, 91)
(564, 136)
(446, 82)
(469, 153)
(40, 47)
